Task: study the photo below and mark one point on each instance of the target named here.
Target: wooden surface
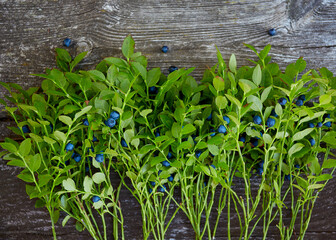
(31, 30)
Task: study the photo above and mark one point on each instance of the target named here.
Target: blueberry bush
(174, 141)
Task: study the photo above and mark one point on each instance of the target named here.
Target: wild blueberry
(260, 171)
(100, 158)
(213, 132)
(153, 90)
(287, 177)
(51, 126)
(123, 143)
(25, 129)
(198, 154)
(222, 129)
(327, 124)
(272, 32)
(270, 122)
(157, 134)
(213, 166)
(297, 166)
(152, 183)
(86, 122)
(160, 171)
(162, 189)
(169, 155)
(257, 119)
(319, 124)
(242, 139)
(165, 163)
(110, 122)
(255, 142)
(282, 101)
(115, 115)
(94, 139)
(261, 164)
(67, 42)
(273, 113)
(302, 97)
(209, 118)
(170, 178)
(299, 103)
(164, 49)
(327, 115)
(77, 157)
(227, 119)
(95, 199)
(90, 148)
(311, 125)
(150, 190)
(312, 141)
(172, 69)
(69, 147)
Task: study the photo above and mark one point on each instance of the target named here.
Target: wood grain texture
(31, 30)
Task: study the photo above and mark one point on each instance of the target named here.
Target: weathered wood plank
(31, 30)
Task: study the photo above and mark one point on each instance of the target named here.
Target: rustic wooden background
(31, 30)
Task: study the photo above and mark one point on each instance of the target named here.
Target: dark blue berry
(257, 120)
(169, 155)
(150, 190)
(242, 139)
(110, 122)
(170, 178)
(287, 177)
(172, 69)
(152, 183)
(67, 42)
(165, 163)
(282, 101)
(123, 143)
(299, 103)
(302, 97)
(25, 129)
(327, 115)
(255, 142)
(261, 164)
(86, 122)
(100, 158)
(153, 90)
(213, 166)
(270, 122)
(69, 147)
(76, 157)
(260, 171)
(272, 32)
(319, 124)
(94, 139)
(157, 134)
(312, 141)
(273, 113)
(95, 199)
(227, 119)
(213, 132)
(311, 125)
(115, 115)
(164, 49)
(222, 129)
(162, 189)
(327, 124)
(297, 166)
(210, 117)
(198, 154)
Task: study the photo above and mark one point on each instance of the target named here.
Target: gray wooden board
(31, 30)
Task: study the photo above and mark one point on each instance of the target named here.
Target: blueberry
(327, 124)
(213, 166)
(160, 171)
(165, 163)
(153, 90)
(261, 164)
(162, 189)
(312, 141)
(242, 139)
(90, 148)
(110, 122)
(25, 129)
(222, 129)
(282, 101)
(94, 139)
(76, 157)
(150, 190)
(210, 117)
(169, 155)
(319, 124)
(157, 134)
(260, 171)
(227, 119)
(257, 119)
(311, 125)
(86, 122)
(170, 178)
(164, 49)
(299, 103)
(198, 154)
(327, 115)
(213, 132)
(51, 126)
(287, 177)
(69, 147)
(172, 69)
(100, 158)
(67, 42)
(270, 122)
(123, 143)
(273, 113)
(255, 142)
(297, 166)
(152, 183)
(95, 199)
(115, 115)
(302, 97)
(272, 32)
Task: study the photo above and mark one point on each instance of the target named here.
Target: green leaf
(63, 55)
(34, 163)
(131, 175)
(267, 138)
(213, 149)
(221, 102)
(140, 69)
(69, 185)
(9, 146)
(77, 59)
(256, 103)
(87, 184)
(128, 135)
(17, 163)
(145, 149)
(27, 177)
(120, 63)
(59, 136)
(295, 148)
(218, 83)
(96, 75)
(329, 138)
(256, 76)
(153, 76)
(65, 220)
(300, 135)
(233, 100)
(35, 137)
(278, 109)
(98, 205)
(44, 179)
(176, 130)
(187, 129)
(323, 177)
(329, 163)
(65, 119)
(233, 63)
(265, 93)
(25, 147)
(315, 186)
(184, 145)
(98, 177)
(325, 99)
(128, 47)
(82, 112)
(206, 170)
(48, 140)
(145, 112)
